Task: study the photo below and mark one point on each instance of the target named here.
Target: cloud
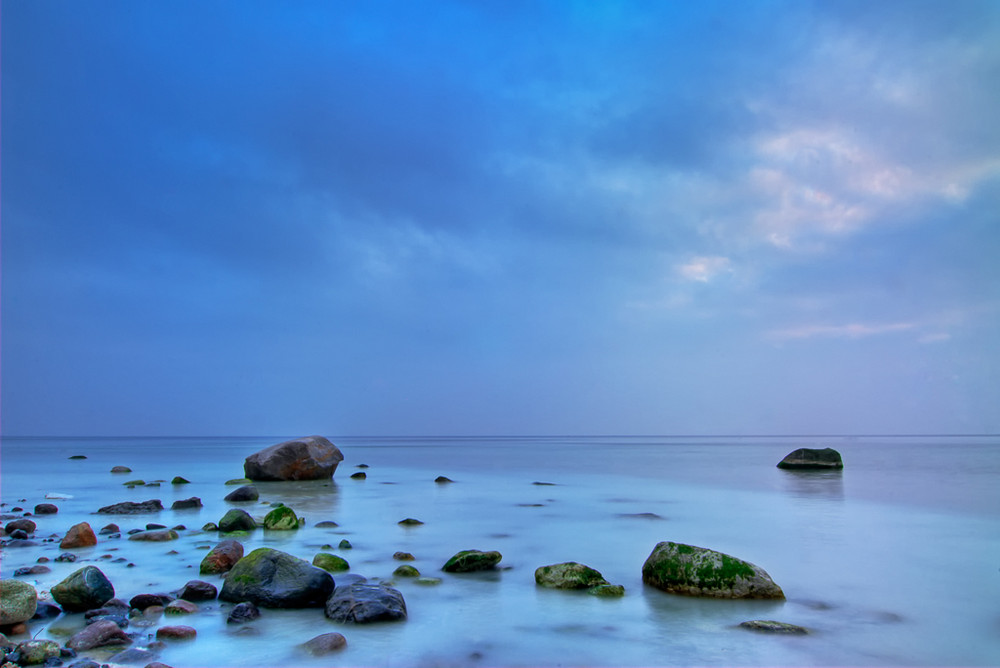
(854, 330)
(704, 269)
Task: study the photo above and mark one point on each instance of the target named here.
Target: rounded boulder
(18, 602)
(84, 589)
(309, 458)
(270, 578)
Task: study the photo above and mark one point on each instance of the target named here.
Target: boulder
(178, 480)
(330, 562)
(324, 644)
(244, 493)
(406, 571)
(18, 602)
(568, 575)
(243, 612)
(25, 525)
(697, 571)
(607, 591)
(236, 520)
(270, 578)
(109, 529)
(100, 633)
(46, 509)
(155, 536)
(812, 459)
(37, 652)
(467, 561)
(180, 607)
(120, 469)
(175, 633)
(281, 518)
(84, 589)
(198, 590)
(143, 601)
(132, 507)
(185, 504)
(221, 558)
(365, 603)
(310, 458)
(79, 535)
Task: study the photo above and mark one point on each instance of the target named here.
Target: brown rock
(27, 526)
(222, 557)
(324, 644)
(309, 458)
(175, 633)
(180, 607)
(79, 535)
(98, 634)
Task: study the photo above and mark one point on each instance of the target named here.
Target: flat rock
(155, 536)
(677, 568)
(185, 504)
(120, 469)
(309, 458)
(366, 603)
(812, 459)
(99, 634)
(771, 626)
(178, 632)
(132, 507)
(468, 561)
(568, 575)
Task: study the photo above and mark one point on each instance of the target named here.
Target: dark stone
(100, 633)
(120, 469)
(19, 534)
(243, 612)
(27, 526)
(184, 504)
(66, 557)
(326, 524)
(85, 663)
(365, 603)
(84, 589)
(273, 579)
(46, 509)
(770, 626)
(237, 520)
(46, 610)
(360, 475)
(155, 527)
(143, 601)
(811, 459)
(309, 458)
(467, 561)
(178, 480)
(78, 456)
(198, 590)
(37, 569)
(19, 542)
(108, 529)
(132, 508)
(410, 522)
(245, 493)
(443, 479)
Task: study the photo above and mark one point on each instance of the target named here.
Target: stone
(178, 480)
(236, 520)
(37, 569)
(360, 475)
(281, 518)
(345, 545)
(607, 591)
(109, 529)
(403, 556)
(46, 509)
(35, 652)
(209, 526)
(132, 508)
(365, 603)
(66, 558)
(468, 561)
(812, 459)
(409, 522)
(443, 479)
(677, 568)
(78, 456)
(46, 610)
(120, 469)
(428, 582)
(270, 578)
(25, 525)
(180, 607)
(185, 504)
(326, 524)
(243, 612)
(568, 575)
(155, 536)
(176, 633)
(84, 589)
(99, 634)
(144, 601)
(221, 558)
(86, 663)
(132, 655)
(406, 571)
(325, 643)
(239, 481)
(330, 562)
(19, 534)
(18, 602)
(245, 493)
(79, 535)
(771, 626)
(198, 590)
(309, 458)
(134, 483)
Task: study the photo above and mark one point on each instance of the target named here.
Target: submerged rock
(36, 652)
(18, 602)
(569, 575)
(406, 571)
(324, 644)
(132, 508)
(243, 612)
(178, 632)
(468, 561)
(281, 518)
(84, 589)
(221, 558)
(120, 469)
(810, 458)
(198, 590)
(270, 578)
(155, 536)
(184, 504)
(23, 524)
(330, 562)
(236, 520)
(99, 634)
(607, 591)
(366, 603)
(244, 493)
(697, 571)
(46, 509)
(771, 626)
(178, 480)
(309, 458)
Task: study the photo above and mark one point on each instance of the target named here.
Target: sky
(499, 217)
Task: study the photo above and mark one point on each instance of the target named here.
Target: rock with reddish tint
(25, 525)
(180, 607)
(325, 644)
(132, 508)
(79, 535)
(221, 558)
(198, 590)
(175, 633)
(99, 634)
(46, 509)
(143, 601)
(309, 458)
(109, 529)
(84, 589)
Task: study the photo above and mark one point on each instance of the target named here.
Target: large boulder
(361, 603)
(697, 571)
(84, 589)
(18, 602)
(270, 578)
(812, 459)
(467, 561)
(310, 458)
(569, 575)
(222, 557)
(79, 535)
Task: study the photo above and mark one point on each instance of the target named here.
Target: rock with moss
(236, 520)
(281, 518)
(270, 578)
(677, 568)
(239, 481)
(771, 626)
(406, 571)
(330, 562)
(18, 602)
(84, 589)
(568, 575)
(468, 561)
(807, 459)
(155, 536)
(607, 591)
(37, 652)
(179, 480)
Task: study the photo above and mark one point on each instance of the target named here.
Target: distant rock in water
(811, 458)
(771, 626)
(697, 571)
(132, 508)
(309, 458)
(245, 493)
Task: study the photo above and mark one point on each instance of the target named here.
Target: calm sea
(894, 561)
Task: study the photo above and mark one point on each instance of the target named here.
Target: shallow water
(894, 561)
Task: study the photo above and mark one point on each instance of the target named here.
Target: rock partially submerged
(132, 508)
(468, 561)
(568, 575)
(221, 558)
(697, 571)
(99, 634)
(771, 626)
(270, 578)
(364, 603)
(812, 459)
(309, 458)
(84, 589)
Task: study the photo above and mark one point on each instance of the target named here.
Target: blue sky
(500, 217)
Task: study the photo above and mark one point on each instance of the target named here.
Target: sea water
(893, 561)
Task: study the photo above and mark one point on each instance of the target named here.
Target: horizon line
(512, 435)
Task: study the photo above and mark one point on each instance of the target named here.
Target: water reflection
(813, 484)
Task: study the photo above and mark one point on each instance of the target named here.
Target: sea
(893, 561)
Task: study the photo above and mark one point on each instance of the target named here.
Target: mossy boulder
(18, 602)
(84, 589)
(468, 561)
(812, 459)
(697, 571)
(607, 591)
(281, 518)
(568, 575)
(330, 562)
(37, 652)
(771, 626)
(406, 571)
(178, 480)
(270, 578)
(236, 520)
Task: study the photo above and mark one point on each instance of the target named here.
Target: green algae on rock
(330, 562)
(467, 561)
(677, 568)
(270, 578)
(812, 459)
(568, 575)
(281, 518)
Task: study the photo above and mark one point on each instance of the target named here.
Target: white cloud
(703, 269)
(854, 330)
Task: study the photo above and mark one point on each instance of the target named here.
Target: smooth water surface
(894, 561)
